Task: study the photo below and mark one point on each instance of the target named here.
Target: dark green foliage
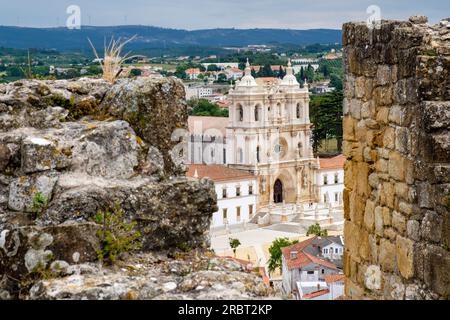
(135, 72)
(116, 235)
(326, 115)
(265, 71)
(40, 204)
(205, 108)
(316, 230)
(234, 244)
(276, 254)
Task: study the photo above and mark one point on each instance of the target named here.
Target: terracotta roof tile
(218, 173)
(315, 294)
(303, 258)
(332, 163)
(331, 278)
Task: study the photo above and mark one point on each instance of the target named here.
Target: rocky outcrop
(71, 148)
(397, 142)
(155, 276)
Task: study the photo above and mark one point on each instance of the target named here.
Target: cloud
(202, 14)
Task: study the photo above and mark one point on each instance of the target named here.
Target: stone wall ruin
(397, 173)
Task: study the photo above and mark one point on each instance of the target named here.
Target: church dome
(247, 80)
(290, 79)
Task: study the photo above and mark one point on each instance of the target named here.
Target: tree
(336, 82)
(234, 244)
(221, 78)
(309, 73)
(135, 72)
(317, 231)
(212, 68)
(281, 73)
(275, 259)
(265, 71)
(205, 108)
(326, 116)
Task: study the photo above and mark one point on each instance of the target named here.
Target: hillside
(153, 37)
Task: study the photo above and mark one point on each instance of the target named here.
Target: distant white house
(192, 73)
(222, 65)
(236, 193)
(198, 92)
(330, 180)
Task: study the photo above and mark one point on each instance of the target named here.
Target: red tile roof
(331, 278)
(315, 294)
(192, 71)
(303, 259)
(332, 163)
(218, 173)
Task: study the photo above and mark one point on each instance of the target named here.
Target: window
(257, 154)
(238, 191)
(250, 189)
(240, 114)
(250, 210)
(225, 215)
(323, 271)
(300, 149)
(325, 179)
(325, 199)
(294, 255)
(256, 113)
(325, 251)
(224, 193)
(336, 178)
(238, 214)
(310, 272)
(240, 155)
(336, 197)
(299, 111)
(336, 250)
(224, 156)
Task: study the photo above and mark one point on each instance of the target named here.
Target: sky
(205, 14)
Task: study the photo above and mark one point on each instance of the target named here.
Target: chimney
(294, 255)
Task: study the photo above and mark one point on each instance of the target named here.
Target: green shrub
(116, 235)
(316, 230)
(40, 205)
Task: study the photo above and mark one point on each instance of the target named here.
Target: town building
(198, 92)
(236, 193)
(192, 73)
(306, 267)
(330, 180)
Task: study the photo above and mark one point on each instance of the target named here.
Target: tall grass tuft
(113, 60)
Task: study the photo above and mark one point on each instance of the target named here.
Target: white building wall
(336, 290)
(332, 189)
(329, 251)
(232, 202)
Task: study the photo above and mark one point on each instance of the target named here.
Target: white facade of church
(269, 134)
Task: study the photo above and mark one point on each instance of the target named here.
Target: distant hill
(63, 39)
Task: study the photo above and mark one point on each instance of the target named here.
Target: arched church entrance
(278, 192)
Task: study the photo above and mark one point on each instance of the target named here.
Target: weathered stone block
(40, 154)
(396, 166)
(405, 257)
(432, 227)
(23, 190)
(389, 138)
(387, 256)
(399, 222)
(369, 215)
